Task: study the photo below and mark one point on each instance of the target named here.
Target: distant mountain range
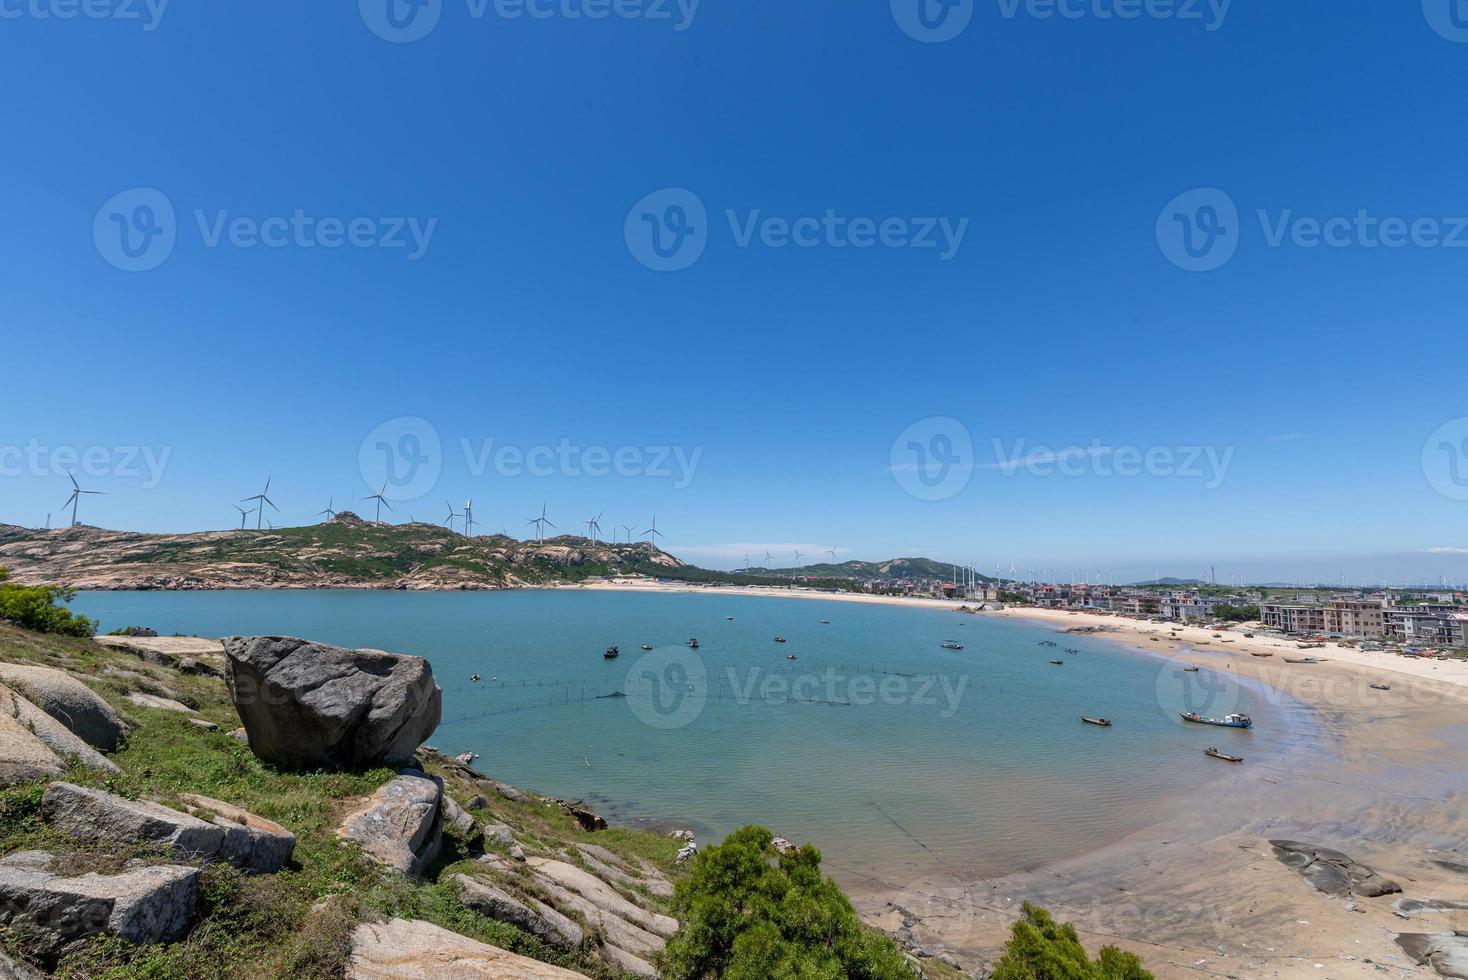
(904, 569)
(1171, 581)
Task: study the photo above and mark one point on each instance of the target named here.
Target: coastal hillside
(345, 552)
(904, 569)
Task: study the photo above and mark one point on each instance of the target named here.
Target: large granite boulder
(1332, 871)
(250, 843)
(1444, 952)
(48, 913)
(400, 825)
(69, 701)
(413, 950)
(24, 758)
(56, 736)
(314, 706)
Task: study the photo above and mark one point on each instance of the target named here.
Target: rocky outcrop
(48, 913)
(219, 831)
(24, 758)
(411, 950)
(158, 703)
(310, 705)
(602, 895)
(529, 915)
(69, 701)
(13, 969)
(609, 867)
(1333, 872)
(1444, 952)
(400, 825)
(56, 736)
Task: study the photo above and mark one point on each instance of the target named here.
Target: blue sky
(528, 151)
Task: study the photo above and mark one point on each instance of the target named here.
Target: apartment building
(1291, 618)
(1355, 617)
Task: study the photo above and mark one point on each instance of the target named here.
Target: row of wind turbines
(765, 562)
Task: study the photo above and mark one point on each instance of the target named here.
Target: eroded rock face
(314, 706)
(94, 814)
(250, 843)
(24, 758)
(69, 701)
(1332, 871)
(412, 950)
(56, 736)
(401, 825)
(1445, 952)
(49, 912)
(528, 915)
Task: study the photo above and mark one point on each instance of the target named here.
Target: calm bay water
(898, 758)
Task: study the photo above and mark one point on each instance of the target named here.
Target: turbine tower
(76, 495)
(832, 553)
(653, 533)
(593, 527)
(541, 523)
(262, 498)
(797, 557)
(468, 518)
(381, 501)
(243, 514)
(328, 512)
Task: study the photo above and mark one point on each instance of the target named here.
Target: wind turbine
(76, 494)
(629, 528)
(540, 523)
(768, 558)
(653, 533)
(328, 511)
(746, 560)
(448, 522)
(382, 502)
(243, 514)
(832, 553)
(797, 557)
(593, 526)
(262, 499)
(468, 517)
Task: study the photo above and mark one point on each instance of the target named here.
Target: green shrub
(750, 913)
(1042, 949)
(35, 608)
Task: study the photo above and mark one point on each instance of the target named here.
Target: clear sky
(1017, 222)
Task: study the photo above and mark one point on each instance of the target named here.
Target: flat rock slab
(628, 963)
(400, 825)
(1332, 871)
(601, 862)
(617, 931)
(528, 916)
(24, 758)
(69, 701)
(92, 813)
(603, 896)
(177, 646)
(159, 703)
(1445, 952)
(413, 950)
(251, 843)
(49, 912)
(314, 706)
(56, 736)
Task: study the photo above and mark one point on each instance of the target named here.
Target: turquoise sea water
(897, 757)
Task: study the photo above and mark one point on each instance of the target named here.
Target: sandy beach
(1201, 892)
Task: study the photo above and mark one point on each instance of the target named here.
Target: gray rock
(24, 758)
(1332, 871)
(49, 912)
(69, 701)
(309, 705)
(91, 813)
(628, 963)
(208, 726)
(532, 917)
(13, 969)
(596, 859)
(56, 736)
(411, 950)
(476, 803)
(463, 826)
(400, 825)
(602, 896)
(1445, 952)
(159, 703)
(251, 843)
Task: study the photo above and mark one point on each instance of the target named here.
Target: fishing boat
(1047, 643)
(1228, 721)
(1381, 687)
(1071, 650)
(1102, 722)
(1301, 660)
(825, 622)
(1261, 654)
(1191, 670)
(693, 644)
(1214, 753)
(951, 645)
(729, 618)
(612, 653)
(647, 646)
(1058, 663)
(779, 639)
(789, 656)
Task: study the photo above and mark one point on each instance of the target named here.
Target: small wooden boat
(1047, 643)
(729, 618)
(951, 645)
(1381, 687)
(693, 644)
(1071, 650)
(1102, 722)
(1301, 660)
(1191, 670)
(647, 646)
(779, 639)
(1058, 663)
(1261, 654)
(612, 653)
(1228, 721)
(789, 656)
(825, 622)
(1214, 753)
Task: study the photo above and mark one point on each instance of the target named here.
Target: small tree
(1042, 949)
(751, 913)
(34, 608)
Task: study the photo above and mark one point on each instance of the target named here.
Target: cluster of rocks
(1333, 872)
(1445, 952)
(48, 717)
(690, 846)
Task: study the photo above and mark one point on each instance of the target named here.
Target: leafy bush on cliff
(35, 608)
(1042, 949)
(750, 913)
